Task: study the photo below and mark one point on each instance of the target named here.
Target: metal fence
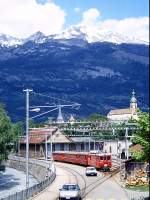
(30, 192)
(139, 198)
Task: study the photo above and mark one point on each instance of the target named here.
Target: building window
(82, 146)
(72, 147)
(61, 147)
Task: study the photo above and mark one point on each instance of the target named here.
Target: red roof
(37, 136)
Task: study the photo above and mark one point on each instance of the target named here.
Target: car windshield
(70, 187)
(90, 168)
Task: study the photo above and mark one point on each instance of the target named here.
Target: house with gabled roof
(55, 140)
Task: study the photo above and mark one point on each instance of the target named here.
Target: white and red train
(100, 161)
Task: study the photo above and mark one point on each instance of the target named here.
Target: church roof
(71, 119)
(121, 111)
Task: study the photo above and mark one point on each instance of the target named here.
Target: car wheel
(108, 169)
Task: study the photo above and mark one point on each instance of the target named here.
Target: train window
(97, 158)
(101, 158)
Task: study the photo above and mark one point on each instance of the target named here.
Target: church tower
(60, 117)
(133, 101)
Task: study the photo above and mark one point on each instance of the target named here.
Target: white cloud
(131, 27)
(77, 9)
(22, 18)
(90, 16)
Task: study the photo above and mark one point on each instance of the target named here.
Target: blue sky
(114, 9)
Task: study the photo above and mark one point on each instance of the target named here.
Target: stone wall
(35, 169)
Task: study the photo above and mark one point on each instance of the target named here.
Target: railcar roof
(82, 153)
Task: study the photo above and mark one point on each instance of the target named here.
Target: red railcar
(100, 160)
(71, 157)
(97, 160)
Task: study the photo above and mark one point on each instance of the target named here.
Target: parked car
(91, 171)
(70, 191)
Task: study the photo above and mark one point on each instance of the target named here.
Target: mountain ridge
(100, 75)
(77, 31)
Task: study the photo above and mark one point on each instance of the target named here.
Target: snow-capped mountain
(99, 76)
(37, 37)
(6, 40)
(90, 34)
(79, 32)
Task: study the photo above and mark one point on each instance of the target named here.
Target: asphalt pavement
(94, 188)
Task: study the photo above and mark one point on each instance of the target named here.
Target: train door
(89, 160)
(77, 158)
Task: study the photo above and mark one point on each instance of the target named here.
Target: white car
(70, 191)
(91, 171)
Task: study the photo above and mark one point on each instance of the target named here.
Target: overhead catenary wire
(55, 98)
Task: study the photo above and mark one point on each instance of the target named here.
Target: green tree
(142, 137)
(96, 117)
(6, 134)
(17, 130)
(9, 133)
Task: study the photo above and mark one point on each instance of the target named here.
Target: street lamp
(126, 144)
(35, 109)
(27, 135)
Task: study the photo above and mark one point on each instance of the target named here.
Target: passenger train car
(100, 161)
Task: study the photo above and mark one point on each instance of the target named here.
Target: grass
(141, 188)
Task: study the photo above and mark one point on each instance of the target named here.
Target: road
(93, 188)
(12, 181)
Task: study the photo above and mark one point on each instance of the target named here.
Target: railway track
(106, 176)
(87, 188)
(76, 175)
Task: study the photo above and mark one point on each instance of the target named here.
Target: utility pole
(89, 142)
(46, 149)
(126, 144)
(51, 150)
(27, 136)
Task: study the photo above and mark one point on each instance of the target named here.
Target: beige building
(126, 113)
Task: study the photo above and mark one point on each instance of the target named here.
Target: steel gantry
(89, 126)
(88, 129)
